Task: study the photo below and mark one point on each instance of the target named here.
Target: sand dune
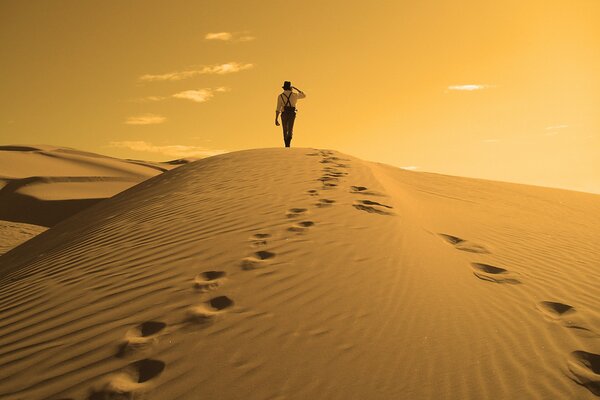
(42, 185)
(308, 274)
(13, 234)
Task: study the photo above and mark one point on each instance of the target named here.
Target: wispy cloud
(149, 99)
(556, 127)
(218, 69)
(197, 95)
(219, 36)
(175, 150)
(200, 95)
(554, 130)
(469, 88)
(229, 36)
(145, 119)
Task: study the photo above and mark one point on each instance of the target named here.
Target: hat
(287, 85)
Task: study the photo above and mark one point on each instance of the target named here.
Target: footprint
(301, 226)
(330, 157)
(208, 280)
(464, 245)
(313, 192)
(264, 255)
(295, 212)
(326, 178)
(566, 315)
(208, 310)
(335, 174)
(141, 338)
(363, 190)
(325, 203)
(134, 380)
(259, 239)
(334, 158)
(328, 185)
(372, 207)
(372, 210)
(374, 203)
(555, 310)
(585, 368)
(259, 260)
(490, 273)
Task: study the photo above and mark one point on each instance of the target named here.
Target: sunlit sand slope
(42, 185)
(308, 274)
(13, 234)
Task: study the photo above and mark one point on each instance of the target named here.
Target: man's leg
(291, 128)
(284, 126)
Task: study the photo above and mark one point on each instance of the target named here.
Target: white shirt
(282, 99)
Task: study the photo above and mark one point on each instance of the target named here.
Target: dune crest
(307, 274)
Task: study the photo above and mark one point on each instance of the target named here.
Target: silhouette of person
(286, 106)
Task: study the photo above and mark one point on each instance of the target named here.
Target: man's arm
(278, 109)
(301, 94)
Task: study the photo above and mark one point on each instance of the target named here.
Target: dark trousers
(287, 122)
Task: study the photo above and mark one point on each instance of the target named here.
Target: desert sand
(42, 185)
(306, 274)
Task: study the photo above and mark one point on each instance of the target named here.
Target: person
(286, 106)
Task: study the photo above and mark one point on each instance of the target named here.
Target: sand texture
(308, 274)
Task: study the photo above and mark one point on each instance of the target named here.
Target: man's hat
(287, 85)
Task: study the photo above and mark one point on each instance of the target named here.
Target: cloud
(199, 96)
(554, 130)
(149, 99)
(556, 127)
(229, 36)
(219, 36)
(469, 88)
(145, 119)
(218, 69)
(176, 150)
(247, 38)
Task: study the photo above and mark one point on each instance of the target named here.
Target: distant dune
(300, 274)
(42, 185)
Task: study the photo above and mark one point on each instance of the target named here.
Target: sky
(503, 90)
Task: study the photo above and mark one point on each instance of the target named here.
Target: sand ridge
(305, 273)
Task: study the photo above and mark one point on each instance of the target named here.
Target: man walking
(286, 105)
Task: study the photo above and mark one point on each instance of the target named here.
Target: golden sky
(504, 90)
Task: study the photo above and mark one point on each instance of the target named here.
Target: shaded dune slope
(308, 274)
(43, 185)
